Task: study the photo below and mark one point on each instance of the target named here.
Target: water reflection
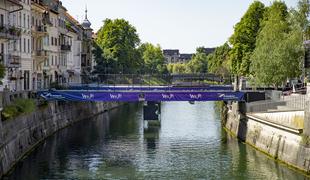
(189, 145)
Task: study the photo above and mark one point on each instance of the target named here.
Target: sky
(173, 24)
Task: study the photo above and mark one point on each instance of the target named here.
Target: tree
(176, 68)
(198, 64)
(153, 58)
(118, 39)
(218, 60)
(300, 16)
(244, 38)
(278, 54)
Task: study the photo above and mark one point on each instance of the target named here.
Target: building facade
(42, 44)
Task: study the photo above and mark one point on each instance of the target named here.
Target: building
(75, 31)
(41, 44)
(185, 58)
(171, 55)
(39, 23)
(86, 56)
(10, 43)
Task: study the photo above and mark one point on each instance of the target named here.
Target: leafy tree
(218, 60)
(278, 54)
(300, 17)
(244, 38)
(153, 58)
(118, 39)
(176, 68)
(198, 64)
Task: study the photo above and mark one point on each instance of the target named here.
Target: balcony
(9, 32)
(39, 31)
(65, 47)
(10, 61)
(41, 53)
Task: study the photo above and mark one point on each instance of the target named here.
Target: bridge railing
(285, 103)
(153, 79)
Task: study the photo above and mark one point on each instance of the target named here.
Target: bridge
(144, 93)
(137, 87)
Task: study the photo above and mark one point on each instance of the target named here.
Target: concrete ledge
(275, 125)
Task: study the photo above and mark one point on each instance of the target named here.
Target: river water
(189, 145)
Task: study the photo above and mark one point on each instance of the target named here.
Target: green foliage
(198, 64)
(118, 40)
(9, 112)
(19, 106)
(218, 61)
(176, 68)
(25, 105)
(153, 58)
(305, 140)
(279, 51)
(244, 38)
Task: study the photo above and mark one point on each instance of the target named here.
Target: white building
(10, 36)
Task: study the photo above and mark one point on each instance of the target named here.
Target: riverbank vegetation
(17, 108)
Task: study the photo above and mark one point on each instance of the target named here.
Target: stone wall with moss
(20, 135)
(283, 145)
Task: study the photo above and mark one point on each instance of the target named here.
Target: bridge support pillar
(151, 114)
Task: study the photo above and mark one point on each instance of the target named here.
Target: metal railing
(10, 61)
(9, 32)
(285, 103)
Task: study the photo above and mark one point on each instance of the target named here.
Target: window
(28, 21)
(24, 20)
(20, 19)
(28, 45)
(52, 40)
(52, 60)
(1, 20)
(24, 45)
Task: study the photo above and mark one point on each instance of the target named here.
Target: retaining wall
(283, 145)
(21, 135)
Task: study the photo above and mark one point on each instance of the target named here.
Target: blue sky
(174, 24)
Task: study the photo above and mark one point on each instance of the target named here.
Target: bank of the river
(19, 136)
(276, 140)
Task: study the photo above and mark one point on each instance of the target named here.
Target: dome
(86, 24)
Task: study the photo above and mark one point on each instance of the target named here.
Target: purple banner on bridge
(141, 96)
(195, 96)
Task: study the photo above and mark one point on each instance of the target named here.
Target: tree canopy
(243, 40)
(153, 58)
(118, 40)
(218, 60)
(279, 50)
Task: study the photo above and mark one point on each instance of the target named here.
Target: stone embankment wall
(19, 136)
(276, 140)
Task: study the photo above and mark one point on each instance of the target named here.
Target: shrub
(25, 105)
(19, 106)
(9, 112)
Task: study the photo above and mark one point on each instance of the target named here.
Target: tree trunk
(236, 83)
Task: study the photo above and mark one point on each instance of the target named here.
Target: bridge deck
(151, 93)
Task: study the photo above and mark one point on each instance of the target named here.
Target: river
(190, 144)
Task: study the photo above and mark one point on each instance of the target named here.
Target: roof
(171, 52)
